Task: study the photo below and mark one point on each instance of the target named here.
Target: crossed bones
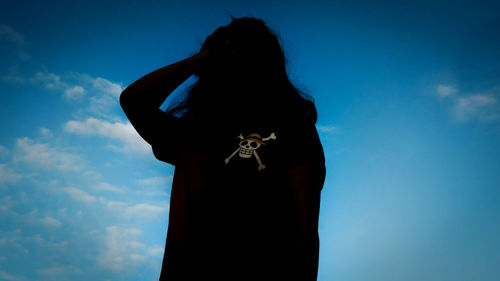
(248, 152)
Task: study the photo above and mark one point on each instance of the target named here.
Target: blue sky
(408, 97)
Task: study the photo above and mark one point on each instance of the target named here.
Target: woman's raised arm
(152, 89)
(141, 103)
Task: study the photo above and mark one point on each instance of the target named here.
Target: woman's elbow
(124, 99)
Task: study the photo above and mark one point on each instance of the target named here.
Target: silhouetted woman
(249, 165)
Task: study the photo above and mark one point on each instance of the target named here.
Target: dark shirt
(233, 212)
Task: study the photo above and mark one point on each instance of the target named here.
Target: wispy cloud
(155, 186)
(3, 150)
(13, 75)
(100, 96)
(122, 248)
(130, 140)
(103, 94)
(8, 175)
(13, 53)
(58, 271)
(326, 128)
(6, 203)
(156, 251)
(45, 156)
(9, 277)
(9, 35)
(147, 211)
(106, 86)
(50, 222)
(123, 210)
(46, 132)
(444, 90)
(78, 192)
(104, 186)
(74, 92)
(79, 195)
(481, 106)
(73, 85)
(50, 81)
(155, 181)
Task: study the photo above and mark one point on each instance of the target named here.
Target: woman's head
(244, 79)
(246, 49)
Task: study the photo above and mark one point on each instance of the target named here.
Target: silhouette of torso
(241, 223)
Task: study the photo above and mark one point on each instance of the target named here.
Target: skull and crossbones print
(248, 146)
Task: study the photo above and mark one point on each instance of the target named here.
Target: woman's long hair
(244, 81)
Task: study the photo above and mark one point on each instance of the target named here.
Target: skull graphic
(248, 146)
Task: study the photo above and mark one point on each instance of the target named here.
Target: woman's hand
(213, 58)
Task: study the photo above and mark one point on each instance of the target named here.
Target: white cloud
(58, 271)
(107, 86)
(122, 132)
(444, 91)
(13, 238)
(74, 92)
(28, 218)
(45, 156)
(326, 129)
(99, 84)
(93, 126)
(6, 203)
(104, 94)
(116, 205)
(156, 251)
(477, 106)
(155, 186)
(45, 132)
(137, 257)
(99, 105)
(122, 248)
(9, 277)
(104, 186)
(8, 175)
(155, 181)
(79, 195)
(52, 271)
(48, 80)
(146, 211)
(55, 83)
(50, 222)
